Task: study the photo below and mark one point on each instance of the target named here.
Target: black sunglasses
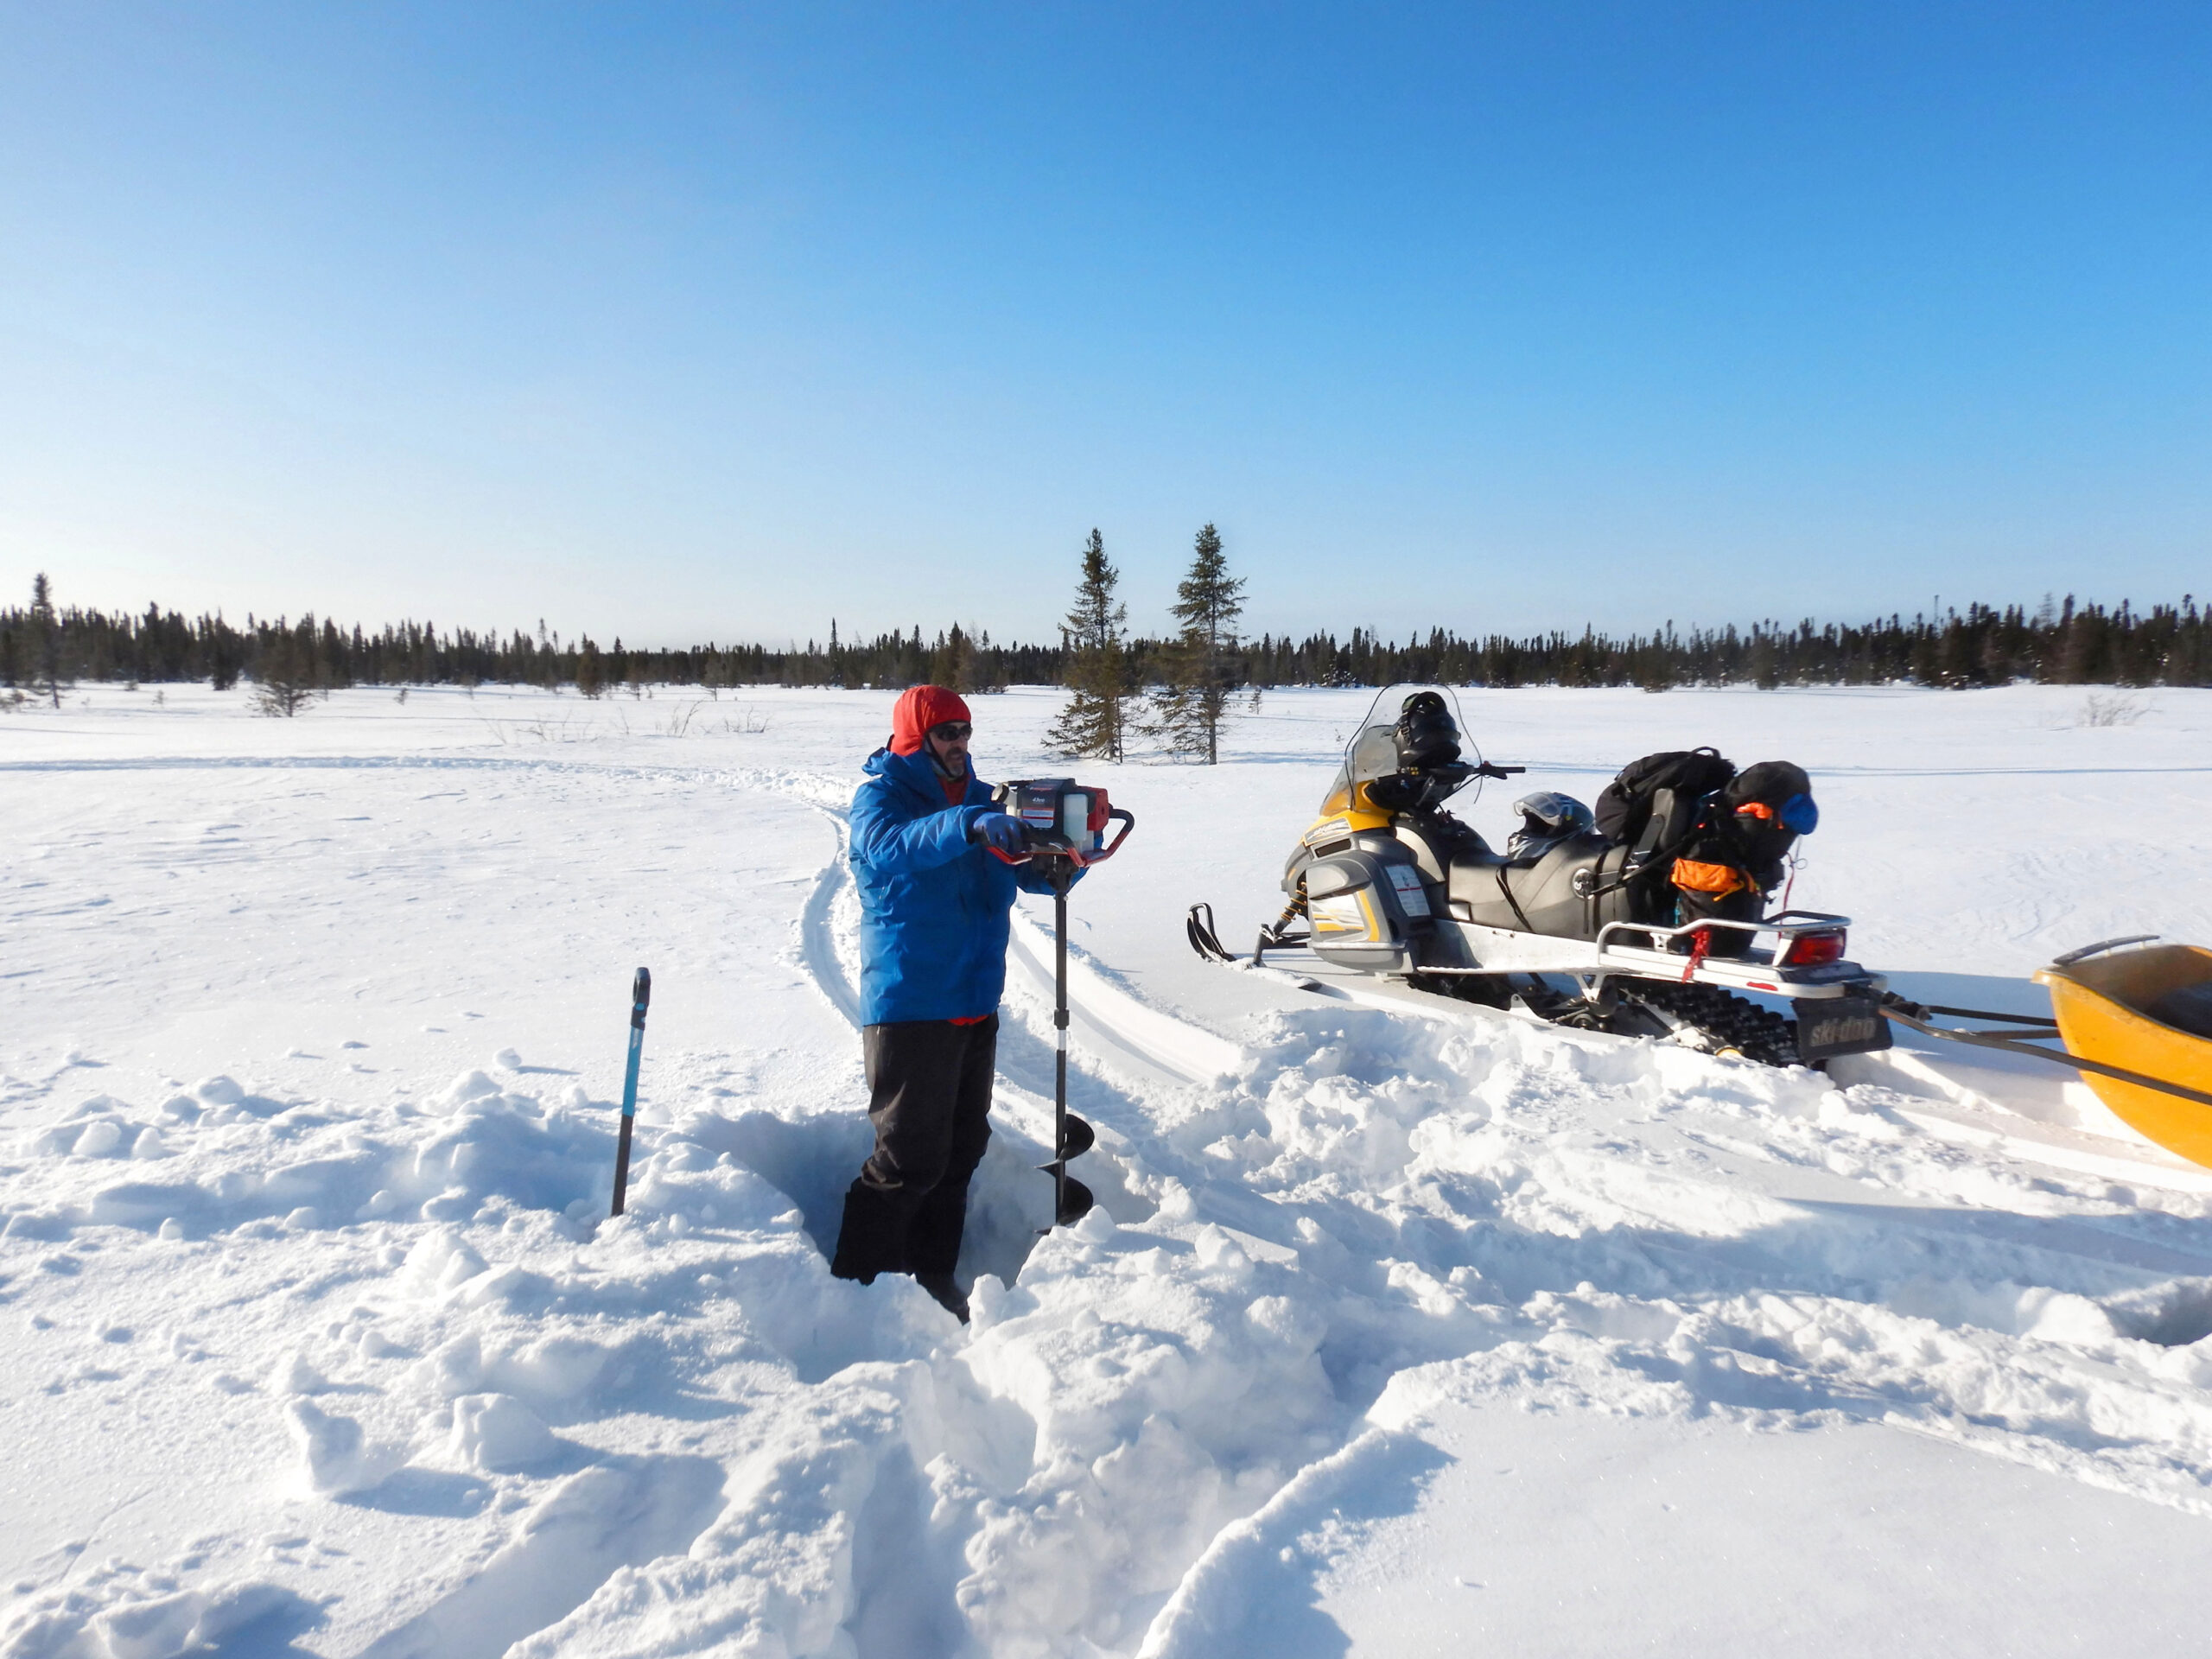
(951, 729)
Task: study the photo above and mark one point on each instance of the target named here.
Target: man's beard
(955, 767)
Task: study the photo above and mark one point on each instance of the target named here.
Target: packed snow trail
(324, 1343)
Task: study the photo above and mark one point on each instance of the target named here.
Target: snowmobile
(1655, 928)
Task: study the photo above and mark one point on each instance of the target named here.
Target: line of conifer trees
(1191, 674)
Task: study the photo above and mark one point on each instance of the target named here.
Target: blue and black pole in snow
(641, 991)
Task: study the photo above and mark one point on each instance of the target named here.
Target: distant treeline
(2062, 643)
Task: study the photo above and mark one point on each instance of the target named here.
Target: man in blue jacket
(934, 906)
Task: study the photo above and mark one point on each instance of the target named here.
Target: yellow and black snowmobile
(1656, 928)
(1647, 917)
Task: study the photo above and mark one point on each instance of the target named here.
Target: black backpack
(1762, 839)
(1687, 775)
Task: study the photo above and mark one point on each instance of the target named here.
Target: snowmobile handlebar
(1485, 770)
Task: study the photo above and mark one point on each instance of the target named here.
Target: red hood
(920, 707)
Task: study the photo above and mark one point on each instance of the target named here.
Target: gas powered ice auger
(1064, 825)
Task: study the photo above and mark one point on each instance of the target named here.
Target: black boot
(872, 1237)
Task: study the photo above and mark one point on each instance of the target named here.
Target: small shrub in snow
(2112, 708)
(282, 698)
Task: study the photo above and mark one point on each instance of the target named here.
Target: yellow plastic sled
(2148, 1013)
(2137, 1025)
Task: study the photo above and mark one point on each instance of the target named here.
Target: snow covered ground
(1392, 1334)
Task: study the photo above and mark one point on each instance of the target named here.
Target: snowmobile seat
(1538, 896)
(1439, 842)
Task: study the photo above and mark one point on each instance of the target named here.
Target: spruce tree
(1189, 711)
(285, 671)
(952, 664)
(45, 638)
(1094, 721)
(224, 654)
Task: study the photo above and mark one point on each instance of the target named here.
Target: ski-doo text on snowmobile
(1660, 933)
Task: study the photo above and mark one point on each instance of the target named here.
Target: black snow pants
(929, 1099)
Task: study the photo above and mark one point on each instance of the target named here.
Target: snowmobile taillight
(1812, 949)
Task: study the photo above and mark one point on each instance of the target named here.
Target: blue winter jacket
(933, 904)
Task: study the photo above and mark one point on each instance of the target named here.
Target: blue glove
(997, 829)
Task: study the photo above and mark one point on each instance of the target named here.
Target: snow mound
(498, 1433)
(336, 1453)
(119, 1612)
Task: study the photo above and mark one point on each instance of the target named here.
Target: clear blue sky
(687, 323)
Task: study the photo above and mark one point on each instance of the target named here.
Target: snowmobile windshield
(1409, 727)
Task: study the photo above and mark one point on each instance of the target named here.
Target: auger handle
(1043, 848)
(1129, 821)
